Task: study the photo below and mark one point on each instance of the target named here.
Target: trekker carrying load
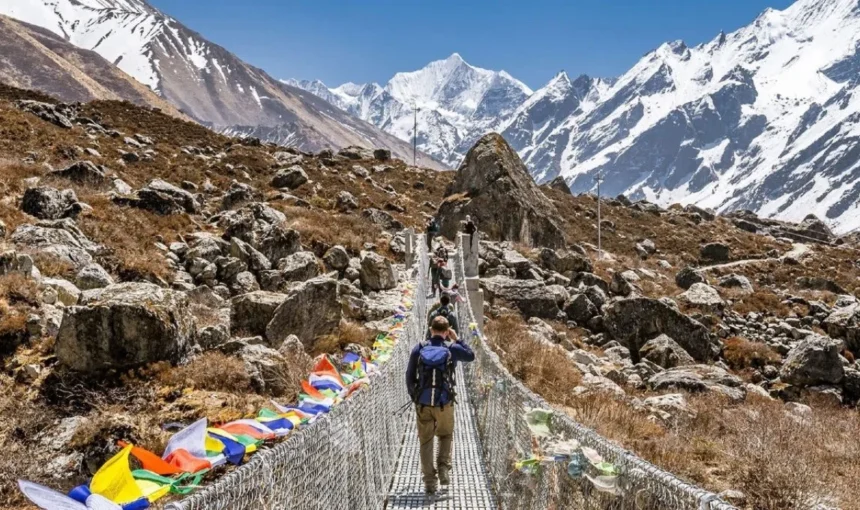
(446, 310)
(469, 228)
(430, 382)
(431, 231)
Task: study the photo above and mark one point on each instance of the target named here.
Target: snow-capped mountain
(204, 80)
(766, 118)
(456, 102)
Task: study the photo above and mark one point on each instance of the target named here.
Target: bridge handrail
(500, 401)
(345, 459)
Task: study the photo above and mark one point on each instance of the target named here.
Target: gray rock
(252, 312)
(580, 309)
(243, 251)
(703, 297)
(688, 276)
(587, 279)
(311, 309)
(622, 284)
(563, 261)
(699, 378)
(290, 178)
(376, 272)
(635, 320)
(665, 352)
(736, 281)
(279, 242)
(48, 203)
(532, 298)
(93, 276)
(67, 292)
(128, 325)
(58, 114)
(243, 283)
(267, 369)
(346, 201)
(336, 258)
(83, 172)
(360, 171)
(814, 360)
(382, 218)
(161, 197)
(819, 283)
(715, 252)
(674, 404)
(238, 194)
(60, 238)
(299, 267)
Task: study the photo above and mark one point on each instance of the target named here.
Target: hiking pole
(402, 408)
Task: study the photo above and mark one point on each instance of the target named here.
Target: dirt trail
(797, 252)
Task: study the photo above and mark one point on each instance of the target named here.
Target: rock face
(494, 187)
(50, 204)
(665, 352)
(635, 320)
(123, 326)
(815, 360)
(532, 298)
(563, 261)
(299, 266)
(311, 309)
(252, 312)
(376, 272)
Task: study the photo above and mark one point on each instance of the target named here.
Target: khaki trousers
(435, 422)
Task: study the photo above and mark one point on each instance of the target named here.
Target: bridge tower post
(410, 247)
(470, 246)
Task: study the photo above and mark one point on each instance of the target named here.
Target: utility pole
(415, 135)
(599, 245)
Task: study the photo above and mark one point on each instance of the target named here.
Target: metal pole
(599, 245)
(414, 135)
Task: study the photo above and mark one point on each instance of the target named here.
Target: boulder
(814, 360)
(382, 154)
(311, 309)
(665, 352)
(61, 239)
(688, 276)
(819, 283)
(267, 369)
(83, 172)
(67, 292)
(290, 178)
(299, 267)
(93, 276)
(703, 297)
(124, 326)
(279, 242)
(814, 228)
(495, 188)
(382, 218)
(586, 279)
(48, 203)
(563, 261)
(531, 297)
(251, 313)
(336, 258)
(672, 403)
(559, 184)
(346, 201)
(253, 259)
(580, 309)
(635, 320)
(844, 323)
(243, 283)
(239, 193)
(715, 252)
(376, 272)
(623, 283)
(58, 114)
(699, 378)
(736, 281)
(163, 198)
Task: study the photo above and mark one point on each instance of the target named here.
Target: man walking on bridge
(430, 382)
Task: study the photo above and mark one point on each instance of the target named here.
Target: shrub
(211, 371)
(740, 353)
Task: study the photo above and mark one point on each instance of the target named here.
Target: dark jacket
(459, 352)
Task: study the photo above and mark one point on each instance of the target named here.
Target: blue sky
(370, 40)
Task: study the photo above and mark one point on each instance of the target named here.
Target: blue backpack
(435, 372)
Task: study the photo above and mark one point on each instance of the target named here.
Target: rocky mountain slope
(36, 58)
(457, 104)
(763, 118)
(204, 80)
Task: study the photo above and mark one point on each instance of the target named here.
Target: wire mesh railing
(501, 403)
(343, 460)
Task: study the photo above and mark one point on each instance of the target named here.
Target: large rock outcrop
(311, 309)
(495, 188)
(531, 297)
(814, 360)
(124, 326)
(636, 320)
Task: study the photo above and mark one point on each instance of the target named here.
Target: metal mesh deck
(470, 487)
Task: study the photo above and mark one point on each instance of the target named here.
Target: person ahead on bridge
(443, 308)
(430, 383)
(469, 228)
(431, 231)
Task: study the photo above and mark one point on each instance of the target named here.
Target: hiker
(442, 252)
(453, 294)
(431, 231)
(430, 382)
(445, 309)
(445, 274)
(435, 270)
(470, 228)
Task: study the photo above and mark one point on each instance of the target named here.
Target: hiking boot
(444, 478)
(430, 490)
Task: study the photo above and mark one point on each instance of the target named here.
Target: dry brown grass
(348, 332)
(740, 353)
(761, 301)
(211, 371)
(327, 229)
(545, 369)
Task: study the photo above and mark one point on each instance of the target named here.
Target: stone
(299, 267)
(93, 276)
(595, 384)
(128, 325)
(376, 272)
(580, 309)
(47, 203)
(290, 178)
(814, 360)
(673, 403)
(715, 252)
(360, 171)
(336, 258)
(243, 283)
(239, 194)
(311, 309)
(665, 352)
(688, 276)
(267, 369)
(67, 292)
(382, 218)
(57, 114)
(382, 155)
(622, 284)
(346, 201)
(703, 297)
(563, 261)
(253, 259)
(532, 298)
(279, 242)
(83, 172)
(163, 198)
(736, 281)
(586, 279)
(819, 283)
(851, 383)
(559, 184)
(251, 313)
(494, 187)
(60, 238)
(699, 378)
(634, 321)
